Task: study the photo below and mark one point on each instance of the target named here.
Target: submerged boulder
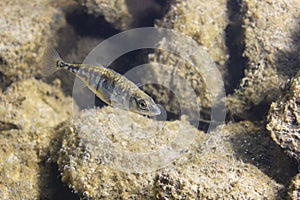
(25, 28)
(284, 118)
(110, 153)
(271, 49)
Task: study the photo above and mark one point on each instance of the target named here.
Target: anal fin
(79, 84)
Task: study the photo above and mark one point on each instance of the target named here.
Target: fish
(110, 86)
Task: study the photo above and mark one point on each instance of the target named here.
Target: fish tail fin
(49, 61)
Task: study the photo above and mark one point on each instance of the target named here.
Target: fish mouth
(155, 110)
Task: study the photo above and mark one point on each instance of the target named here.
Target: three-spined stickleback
(110, 86)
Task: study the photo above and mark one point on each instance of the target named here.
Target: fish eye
(60, 63)
(142, 104)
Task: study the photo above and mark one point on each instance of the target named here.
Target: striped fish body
(110, 86)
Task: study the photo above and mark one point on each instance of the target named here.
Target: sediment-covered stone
(294, 188)
(227, 163)
(284, 118)
(25, 28)
(121, 14)
(205, 24)
(271, 48)
(28, 121)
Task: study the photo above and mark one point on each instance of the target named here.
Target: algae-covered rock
(19, 166)
(25, 173)
(44, 106)
(113, 154)
(27, 128)
(271, 48)
(205, 23)
(214, 166)
(121, 13)
(284, 118)
(25, 27)
(37, 112)
(115, 12)
(294, 188)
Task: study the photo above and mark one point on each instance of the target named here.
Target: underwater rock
(284, 118)
(25, 172)
(121, 13)
(25, 28)
(19, 166)
(205, 23)
(271, 49)
(28, 120)
(43, 107)
(294, 188)
(115, 12)
(102, 150)
(202, 21)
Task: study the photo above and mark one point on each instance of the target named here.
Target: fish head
(141, 103)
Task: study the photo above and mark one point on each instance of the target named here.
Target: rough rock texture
(234, 161)
(25, 28)
(115, 12)
(97, 152)
(205, 23)
(44, 107)
(123, 14)
(294, 188)
(284, 118)
(37, 112)
(19, 167)
(27, 121)
(25, 172)
(271, 40)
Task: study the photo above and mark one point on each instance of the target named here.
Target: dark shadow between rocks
(257, 148)
(87, 25)
(171, 105)
(236, 63)
(144, 13)
(51, 186)
(288, 62)
(55, 189)
(5, 82)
